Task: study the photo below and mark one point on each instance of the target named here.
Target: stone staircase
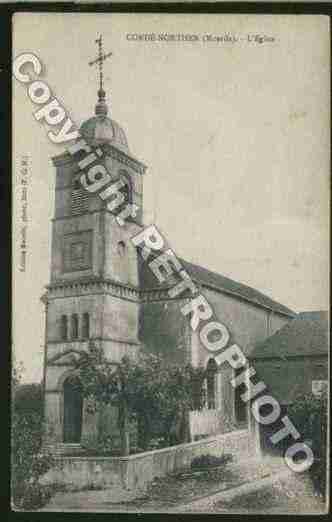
(62, 448)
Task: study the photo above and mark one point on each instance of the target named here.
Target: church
(101, 291)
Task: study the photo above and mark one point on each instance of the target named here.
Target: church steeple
(94, 273)
(101, 108)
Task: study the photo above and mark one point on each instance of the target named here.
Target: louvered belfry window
(79, 198)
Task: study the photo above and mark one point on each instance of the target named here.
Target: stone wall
(205, 422)
(137, 471)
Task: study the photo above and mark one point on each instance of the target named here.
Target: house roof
(307, 334)
(216, 281)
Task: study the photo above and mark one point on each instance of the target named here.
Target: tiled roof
(227, 285)
(307, 334)
(220, 283)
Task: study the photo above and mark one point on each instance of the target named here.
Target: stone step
(63, 448)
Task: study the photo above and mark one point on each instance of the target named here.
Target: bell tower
(93, 293)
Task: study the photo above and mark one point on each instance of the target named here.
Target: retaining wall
(137, 471)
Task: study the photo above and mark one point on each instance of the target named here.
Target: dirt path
(289, 495)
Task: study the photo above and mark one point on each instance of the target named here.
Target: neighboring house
(101, 290)
(294, 360)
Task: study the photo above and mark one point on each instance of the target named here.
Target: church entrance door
(73, 406)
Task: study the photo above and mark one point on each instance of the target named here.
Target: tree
(157, 394)
(28, 399)
(309, 414)
(29, 463)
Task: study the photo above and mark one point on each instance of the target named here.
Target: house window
(319, 371)
(64, 328)
(319, 387)
(74, 326)
(86, 326)
(211, 373)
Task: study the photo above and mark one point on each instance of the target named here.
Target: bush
(309, 415)
(31, 496)
(209, 461)
(28, 398)
(157, 443)
(98, 445)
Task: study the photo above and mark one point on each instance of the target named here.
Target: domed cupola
(101, 129)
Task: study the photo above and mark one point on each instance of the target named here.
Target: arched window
(86, 326)
(127, 193)
(240, 406)
(64, 328)
(74, 326)
(127, 189)
(211, 372)
(198, 395)
(121, 247)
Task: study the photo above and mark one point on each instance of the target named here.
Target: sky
(235, 137)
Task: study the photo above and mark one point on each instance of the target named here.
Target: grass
(252, 501)
(292, 495)
(210, 461)
(180, 487)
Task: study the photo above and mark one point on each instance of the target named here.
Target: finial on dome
(101, 106)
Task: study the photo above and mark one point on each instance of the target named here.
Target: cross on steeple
(101, 107)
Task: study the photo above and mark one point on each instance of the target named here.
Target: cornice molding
(147, 296)
(124, 158)
(66, 158)
(92, 286)
(96, 286)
